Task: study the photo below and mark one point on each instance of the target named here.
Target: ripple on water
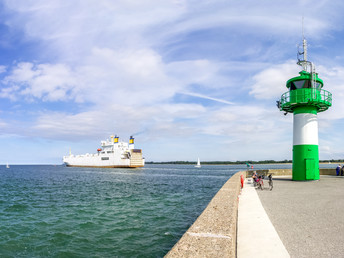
(17, 208)
(48, 211)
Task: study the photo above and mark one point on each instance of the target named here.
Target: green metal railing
(321, 99)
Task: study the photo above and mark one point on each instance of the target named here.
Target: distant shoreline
(239, 162)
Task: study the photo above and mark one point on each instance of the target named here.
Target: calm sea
(56, 211)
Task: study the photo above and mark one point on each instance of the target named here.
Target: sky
(186, 78)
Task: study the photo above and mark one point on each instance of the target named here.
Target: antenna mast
(304, 43)
(305, 63)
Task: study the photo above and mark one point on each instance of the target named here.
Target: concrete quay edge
(214, 233)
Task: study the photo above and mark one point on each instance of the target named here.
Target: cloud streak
(207, 97)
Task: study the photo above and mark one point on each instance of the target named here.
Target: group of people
(340, 170)
(256, 178)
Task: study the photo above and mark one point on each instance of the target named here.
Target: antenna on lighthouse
(304, 43)
(303, 62)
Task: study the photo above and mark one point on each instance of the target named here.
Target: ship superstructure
(112, 154)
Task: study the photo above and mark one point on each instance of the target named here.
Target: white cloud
(270, 83)
(44, 81)
(156, 121)
(72, 29)
(3, 69)
(333, 82)
(126, 77)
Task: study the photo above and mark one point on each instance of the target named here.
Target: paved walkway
(256, 235)
(308, 216)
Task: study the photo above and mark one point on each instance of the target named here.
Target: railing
(322, 99)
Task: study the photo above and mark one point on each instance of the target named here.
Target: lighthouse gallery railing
(322, 99)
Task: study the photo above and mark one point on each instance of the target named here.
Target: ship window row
(109, 152)
(105, 158)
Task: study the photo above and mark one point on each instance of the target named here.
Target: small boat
(198, 164)
(7, 166)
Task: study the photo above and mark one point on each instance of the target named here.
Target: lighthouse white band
(305, 129)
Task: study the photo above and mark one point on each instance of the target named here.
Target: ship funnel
(131, 143)
(115, 140)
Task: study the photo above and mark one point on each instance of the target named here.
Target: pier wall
(213, 234)
(288, 172)
(328, 171)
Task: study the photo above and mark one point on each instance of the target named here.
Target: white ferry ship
(112, 154)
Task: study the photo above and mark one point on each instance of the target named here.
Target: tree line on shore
(239, 162)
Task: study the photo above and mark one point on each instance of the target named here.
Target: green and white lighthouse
(305, 99)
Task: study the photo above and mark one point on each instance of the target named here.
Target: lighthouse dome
(304, 81)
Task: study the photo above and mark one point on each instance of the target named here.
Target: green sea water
(56, 211)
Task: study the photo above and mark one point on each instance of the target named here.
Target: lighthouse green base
(305, 162)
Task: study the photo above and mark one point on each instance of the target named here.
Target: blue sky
(187, 78)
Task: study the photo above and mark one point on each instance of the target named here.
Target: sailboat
(198, 164)
(7, 166)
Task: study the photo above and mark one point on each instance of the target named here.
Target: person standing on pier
(338, 169)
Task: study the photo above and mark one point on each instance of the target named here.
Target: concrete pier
(308, 216)
(214, 233)
(256, 236)
(296, 219)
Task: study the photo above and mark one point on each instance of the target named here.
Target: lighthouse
(305, 98)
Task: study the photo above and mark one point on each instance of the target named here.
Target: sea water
(57, 211)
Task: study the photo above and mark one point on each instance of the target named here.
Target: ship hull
(109, 166)
(107, 159)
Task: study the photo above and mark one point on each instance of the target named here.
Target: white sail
(198, 164)
(7, 166)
